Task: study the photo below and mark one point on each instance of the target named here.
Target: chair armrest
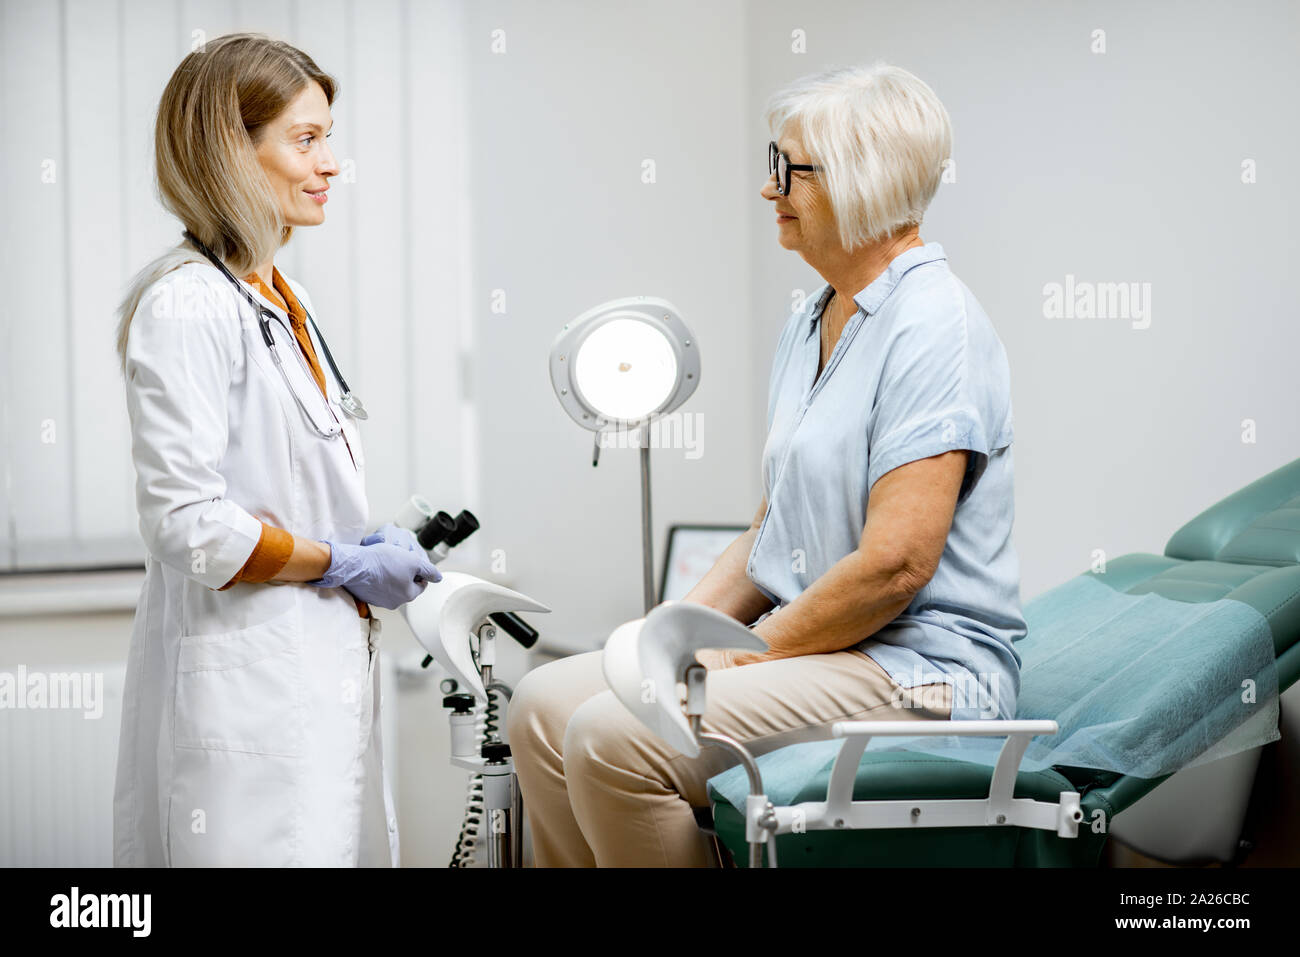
(856, 734)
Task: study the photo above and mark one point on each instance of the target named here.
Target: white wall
(560, 124)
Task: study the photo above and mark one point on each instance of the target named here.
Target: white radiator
(56, 776)
(57, 770)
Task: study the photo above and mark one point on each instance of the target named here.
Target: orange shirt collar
(282, 287)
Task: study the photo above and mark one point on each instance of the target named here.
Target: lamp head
(623, 362)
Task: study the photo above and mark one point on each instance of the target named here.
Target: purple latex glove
(383, 573)
(393, 535)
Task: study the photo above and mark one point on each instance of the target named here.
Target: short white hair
(882, 139)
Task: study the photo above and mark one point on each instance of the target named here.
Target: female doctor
(250, 727)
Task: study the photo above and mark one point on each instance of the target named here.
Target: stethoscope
(347, 401)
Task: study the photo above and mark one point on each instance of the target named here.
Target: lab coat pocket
(242, 690)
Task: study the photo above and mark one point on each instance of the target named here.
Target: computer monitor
(690, 553)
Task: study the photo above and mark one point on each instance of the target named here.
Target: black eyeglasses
(779, 163)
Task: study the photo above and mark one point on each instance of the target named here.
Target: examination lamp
(618, 367)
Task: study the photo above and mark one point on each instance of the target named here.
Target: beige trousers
(600, 789)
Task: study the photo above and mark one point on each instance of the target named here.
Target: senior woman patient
(879, 567)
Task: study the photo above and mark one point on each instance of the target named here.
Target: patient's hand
(714, 659)
(718, 658)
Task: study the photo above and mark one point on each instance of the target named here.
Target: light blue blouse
(917, 371)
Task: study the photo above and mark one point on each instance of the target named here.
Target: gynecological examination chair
(1151, 686)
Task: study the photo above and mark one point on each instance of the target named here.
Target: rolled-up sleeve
(928, 401)
(273, 551)
(181, 353)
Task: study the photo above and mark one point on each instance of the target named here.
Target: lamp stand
(647, 533)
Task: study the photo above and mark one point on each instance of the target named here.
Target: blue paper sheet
(1139, 684)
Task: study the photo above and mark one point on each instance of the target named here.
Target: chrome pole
(647, 541)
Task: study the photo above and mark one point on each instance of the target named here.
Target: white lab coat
(250, 725)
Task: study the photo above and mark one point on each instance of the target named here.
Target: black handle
(515, 627)
(435, 531)
(466, 525)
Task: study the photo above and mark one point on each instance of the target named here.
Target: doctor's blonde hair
(882, 138)
(210, 119)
